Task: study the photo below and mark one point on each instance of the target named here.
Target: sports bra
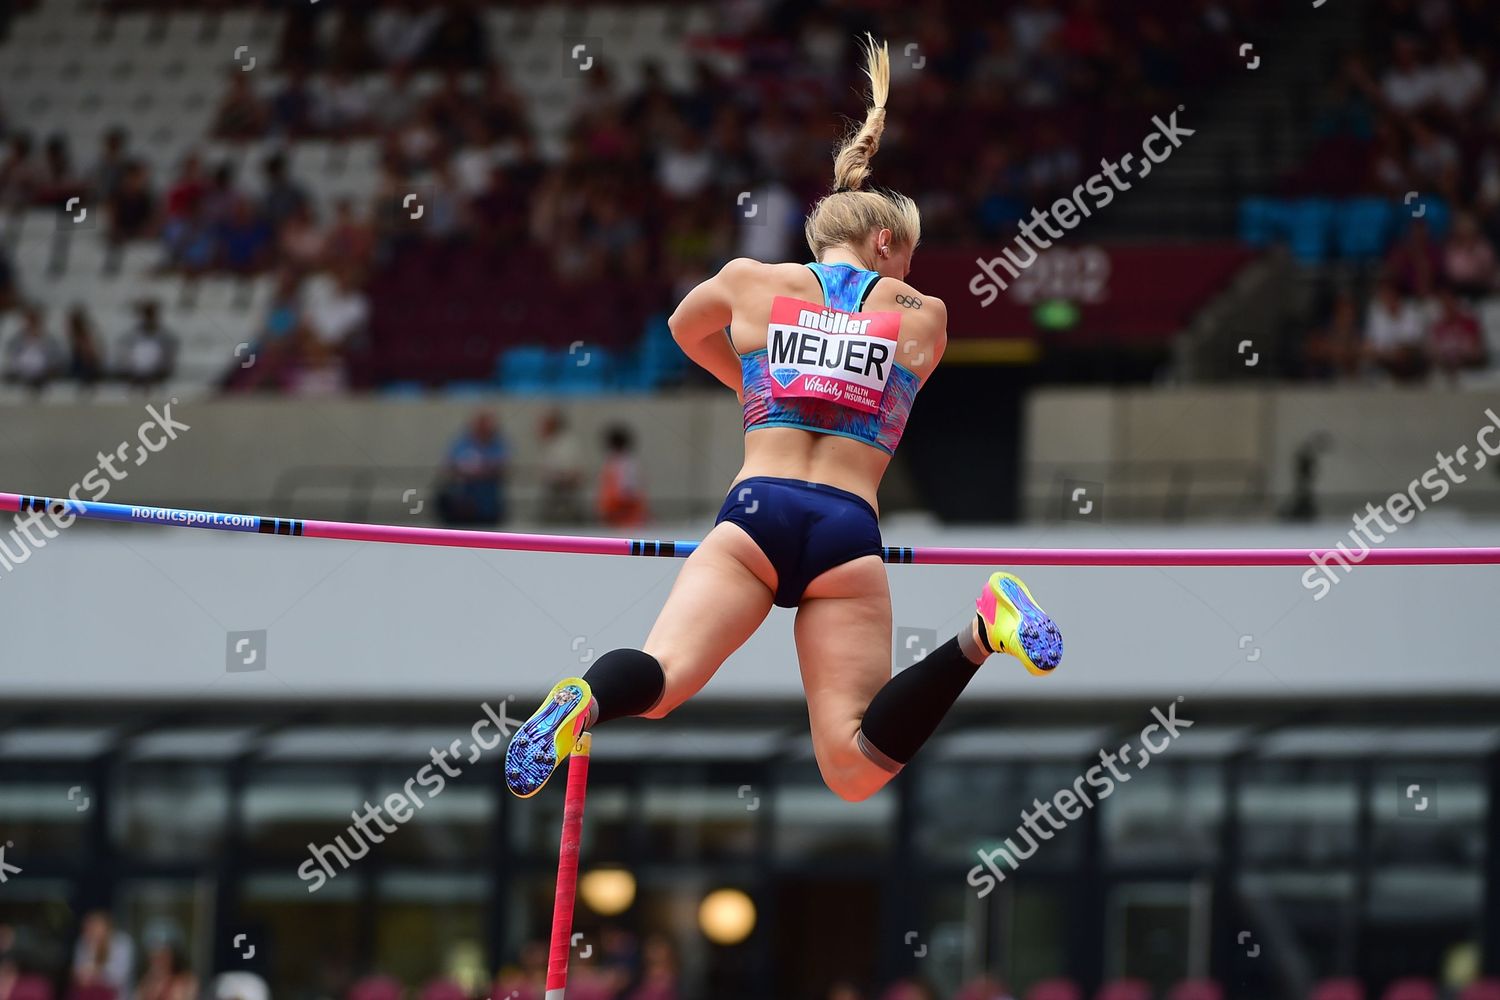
(832, 371)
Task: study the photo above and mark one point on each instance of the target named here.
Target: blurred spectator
(148, 352)
(560, 470)
(1407, 85)
(1395, 335)
(103, 956)
(344, 107)
(132, 208)
(401, 29)
(473, 478)
(167, 976)
(245, 239)
(302, 243)
(85, 361)
(350, 238)
(1414, 263)
(351, 51)
(658, 971)
(622, 496)
(32, 358)
(283, 196)
(685, 165)
(1032, 23)
(460, 39)
(983, 987)
(242, 114)
(909, 989)
(527, 980)
(20, 175)
(1469, 263)
(1435, 160)
(1456, 340)
(1458, 80)
(844, 990)
(182, 232)
(56, 180)
(109, 170)
(1334, 352)
(239, 986)
(7, 282)
(294, 106)
(338, 317)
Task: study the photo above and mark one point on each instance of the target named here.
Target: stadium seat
(92, 991)
(1196, 989)
(1413, 988)
(31, 988)
(1484, 989)
(1055, 989)
(1364, 227)
(1312, 229)
(523, 369)
(1433, 210)
(1338, 989)
(1124, 989)
(582, 371)
(1263, 221)
(375, 988)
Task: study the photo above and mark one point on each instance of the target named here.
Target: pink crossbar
(602, 546)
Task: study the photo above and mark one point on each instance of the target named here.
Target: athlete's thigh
(843, 635)
(719, 599)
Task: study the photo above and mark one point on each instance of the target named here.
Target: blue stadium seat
(1435, 212)
(659, 358)
(1263, 221)
(583, 372)
(1365, 227)
(1312, 228)
(523, 369)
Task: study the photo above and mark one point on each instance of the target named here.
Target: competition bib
(817, 352)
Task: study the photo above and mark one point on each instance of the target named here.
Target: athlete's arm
(700, 319)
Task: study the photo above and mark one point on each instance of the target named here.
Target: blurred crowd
(106, 963)
(475, 477)
(1415, 112)
(1422, 319)
(994, 119)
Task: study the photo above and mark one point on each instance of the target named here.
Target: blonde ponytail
(851, 164)
(852, 212)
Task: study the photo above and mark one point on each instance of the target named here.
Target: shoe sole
(548, 736)
(1041, 640)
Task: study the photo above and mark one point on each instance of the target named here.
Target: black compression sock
(625, 682)
(907, 711)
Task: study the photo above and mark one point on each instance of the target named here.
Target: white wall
(1380, 437)
(140, 612)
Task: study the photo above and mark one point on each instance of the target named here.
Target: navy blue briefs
(804, 528)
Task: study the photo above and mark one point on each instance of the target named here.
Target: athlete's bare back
(740, 298)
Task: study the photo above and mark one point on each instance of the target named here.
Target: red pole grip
(567, 869)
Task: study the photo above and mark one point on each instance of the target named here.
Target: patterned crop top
(830, 368)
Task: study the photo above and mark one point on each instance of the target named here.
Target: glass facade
(1343, 864)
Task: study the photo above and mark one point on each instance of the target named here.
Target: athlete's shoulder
(749, 269)
(894, 290)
